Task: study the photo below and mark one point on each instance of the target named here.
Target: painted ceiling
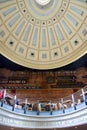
(43, 34)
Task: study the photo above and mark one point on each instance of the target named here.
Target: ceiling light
(12, 128)
(42, 2)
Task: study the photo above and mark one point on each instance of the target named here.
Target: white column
(83, 94)
(62, 105)
(4, 93)
(73, 100)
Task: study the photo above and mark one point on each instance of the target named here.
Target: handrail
(63, 104)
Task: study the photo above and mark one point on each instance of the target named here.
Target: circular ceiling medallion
(42, 2)
(43, 34)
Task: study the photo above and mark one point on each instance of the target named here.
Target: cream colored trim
(8, 118)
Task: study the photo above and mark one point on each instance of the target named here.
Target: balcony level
(63, 113)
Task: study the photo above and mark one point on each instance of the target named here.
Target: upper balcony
(65, 112)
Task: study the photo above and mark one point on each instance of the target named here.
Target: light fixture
(42, 2)
(12, 128)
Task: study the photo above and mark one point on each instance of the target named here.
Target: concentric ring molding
(43, 37)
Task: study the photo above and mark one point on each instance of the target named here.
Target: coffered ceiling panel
(43, 34)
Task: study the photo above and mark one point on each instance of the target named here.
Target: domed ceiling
(43, 34)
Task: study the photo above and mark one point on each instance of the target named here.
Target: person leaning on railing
(1, 94)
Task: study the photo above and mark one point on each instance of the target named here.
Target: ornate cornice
(9, 118)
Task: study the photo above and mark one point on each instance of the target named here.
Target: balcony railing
(69, 111)
(41, 107)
